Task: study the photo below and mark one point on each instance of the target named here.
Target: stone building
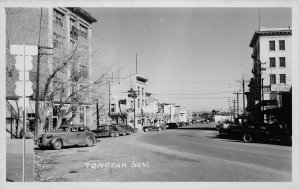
(62, 30)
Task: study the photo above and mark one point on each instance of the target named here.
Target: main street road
(186, 154)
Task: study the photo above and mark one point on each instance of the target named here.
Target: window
(272, 62)
(143, 102)
(83, 72)
(138, 90)
(113, 108)
(73, 30)
(72, 23)
(272, 79)
(81, 114)
(83, 31)
(282, 61)
(131, 104)
(73, 45)
(80, 129)
(282, 78)
(73, 129)
(272, 45)
(58, 18)
(139, 103)
(60, 88)
(58, 41)
(281, 45)
(143, 91)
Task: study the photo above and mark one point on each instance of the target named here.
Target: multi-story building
(151, 110)
(61, 29)
(270, 88)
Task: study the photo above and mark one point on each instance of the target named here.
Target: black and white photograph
(113, 92)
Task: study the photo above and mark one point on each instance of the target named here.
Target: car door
(81, 135)
(72, 135)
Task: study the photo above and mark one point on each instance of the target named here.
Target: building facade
(57, 31)
(270, 86)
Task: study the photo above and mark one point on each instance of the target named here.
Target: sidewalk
(14, 160)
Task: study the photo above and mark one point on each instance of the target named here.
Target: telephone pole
(37, 88)
(136, 66)
(237, 101)
(233, 107)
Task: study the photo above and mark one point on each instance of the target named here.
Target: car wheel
(89, 141)
(117, 134)
(247, 138)
(146, 130)
(124, 133)
(57, 145)
(112, 134)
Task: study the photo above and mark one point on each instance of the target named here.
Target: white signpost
(23, 64)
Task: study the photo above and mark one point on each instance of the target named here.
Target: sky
(194, 57)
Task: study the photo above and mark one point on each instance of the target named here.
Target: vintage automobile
(172, 126)
(257, 132)
(152, 128)
(128, 129)
(109, 130)
(67, 135)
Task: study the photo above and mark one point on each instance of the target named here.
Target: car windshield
(65, 129)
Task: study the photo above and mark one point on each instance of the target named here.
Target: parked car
(257, 132)
(152, 128)
(128, 129)
(228, 129)
(172, 125)
(67, 135)
(183, 124)
(267, 132)
(108, 130)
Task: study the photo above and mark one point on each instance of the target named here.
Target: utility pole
(136, 66)
(229, 108)
(244, 110)
(97, 106)
(237, 101)
(132, 93)
(37, 91)
(233, 107)
(262, 98)
(118, 67)
(108, 98)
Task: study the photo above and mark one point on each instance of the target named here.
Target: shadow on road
(236, 139)
(197, 128)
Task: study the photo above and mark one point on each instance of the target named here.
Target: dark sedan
(109, 130)
(67, 135)
(128, 129)
(152, 128)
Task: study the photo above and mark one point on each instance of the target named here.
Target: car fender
(57, 138)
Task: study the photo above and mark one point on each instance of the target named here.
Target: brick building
(63, 30)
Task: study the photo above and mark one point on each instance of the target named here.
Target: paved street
(186, 154)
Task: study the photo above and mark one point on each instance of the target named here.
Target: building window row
(272, 46)
(59, 20)
(273, 62)
(282, 78)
